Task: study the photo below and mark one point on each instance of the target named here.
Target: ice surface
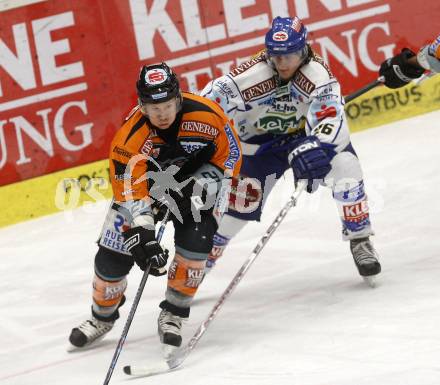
(302, 315)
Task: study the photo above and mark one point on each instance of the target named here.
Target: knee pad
(195, 237)
(346, 171)
(112, 265)
(184, 278)
(108, 297)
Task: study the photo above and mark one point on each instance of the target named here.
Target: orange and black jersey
(138, 147)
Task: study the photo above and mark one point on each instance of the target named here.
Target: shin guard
(107, 297)
(184, 278)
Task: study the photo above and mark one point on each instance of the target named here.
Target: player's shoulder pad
(258, 60)
(193, 103)
(134, 122)
(132, 112)
(312, 74)
(254, 77)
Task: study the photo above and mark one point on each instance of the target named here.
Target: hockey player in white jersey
(407, 65)
(289, 113)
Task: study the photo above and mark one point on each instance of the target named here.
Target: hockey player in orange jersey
(176, 151)
(407, 65)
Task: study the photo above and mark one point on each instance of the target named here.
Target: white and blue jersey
(270, 116)
(263, 109)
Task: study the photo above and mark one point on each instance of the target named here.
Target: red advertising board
(68, 68)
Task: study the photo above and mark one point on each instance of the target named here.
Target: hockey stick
(134, 306)
(364, 89)
(381, 80)
(179, 356)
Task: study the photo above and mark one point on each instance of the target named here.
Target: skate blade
(370, 281)
(168, 351)
(71, 348)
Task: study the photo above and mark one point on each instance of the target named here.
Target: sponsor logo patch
(259, 89)
(159, 95)
(326, 112)
(200, 127)
(172, 270)
(122, 152)
(245, 66)
(125, 176)
(303, 82)
(234, 149)
(225, 89)
(132, 241)
(190, 147)
(155, 76)
(357, 212)
(194, 277)
(116, 291)
(124, 193)
(296, 24)
(147, 147)
(280, 36)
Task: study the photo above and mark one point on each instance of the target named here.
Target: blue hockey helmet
(287, 35)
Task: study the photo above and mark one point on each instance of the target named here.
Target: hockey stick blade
(152, 370)
(176, 359)
(147, 370)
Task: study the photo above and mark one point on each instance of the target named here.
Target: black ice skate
(169, 328)
(89, 332)
(365, 258)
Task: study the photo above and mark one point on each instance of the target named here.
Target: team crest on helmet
(155, 76)
(280, 36)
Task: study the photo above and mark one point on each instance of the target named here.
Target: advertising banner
(68, 68)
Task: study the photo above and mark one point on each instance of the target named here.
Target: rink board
(67, 189)
(68, 71)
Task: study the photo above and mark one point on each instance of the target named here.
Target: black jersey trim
(142, 120)
(190, 105)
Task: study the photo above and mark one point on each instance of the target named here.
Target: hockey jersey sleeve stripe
(142, 120)
(334, 82)
(234, 148)
(341, 121)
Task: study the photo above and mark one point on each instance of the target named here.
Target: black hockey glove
(309, 161)
(397, 71)
(144, 248)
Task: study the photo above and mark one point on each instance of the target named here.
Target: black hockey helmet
(157, 83)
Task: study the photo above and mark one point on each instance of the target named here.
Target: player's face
(161, 115)
(286, 65)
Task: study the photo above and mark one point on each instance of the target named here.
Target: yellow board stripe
(70, 188)
(48, 194)
(383, 105)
